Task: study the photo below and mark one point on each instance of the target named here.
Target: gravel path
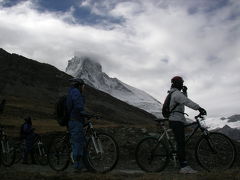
(36, 172)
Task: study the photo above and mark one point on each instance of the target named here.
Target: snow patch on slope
(91, 72)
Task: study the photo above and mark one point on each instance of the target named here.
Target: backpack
(62, 115)
(166, 106)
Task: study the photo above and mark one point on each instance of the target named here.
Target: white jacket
(182, 100)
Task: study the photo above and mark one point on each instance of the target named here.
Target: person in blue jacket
(27, 134)
(75, 106)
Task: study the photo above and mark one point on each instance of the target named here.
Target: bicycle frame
(89, 132)
(199, 126)
(203, 130)
(96, 157)
(167, 139)
(165, 134)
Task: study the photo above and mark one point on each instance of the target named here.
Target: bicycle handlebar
(199, 116)
(90, 116)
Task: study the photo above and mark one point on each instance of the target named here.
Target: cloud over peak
(143, 43)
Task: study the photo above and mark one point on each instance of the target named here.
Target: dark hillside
(32, 88)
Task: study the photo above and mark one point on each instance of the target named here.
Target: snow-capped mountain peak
(91, 72)
(82, 65)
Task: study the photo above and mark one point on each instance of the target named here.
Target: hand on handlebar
(184, 89)
(202, 111)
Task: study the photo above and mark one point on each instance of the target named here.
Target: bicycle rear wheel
(151, 155)
(59, 154)
(215, 151)
(102, 153)
(8, 153)
(19, 149)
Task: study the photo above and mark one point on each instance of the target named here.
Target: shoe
(34, 162)
(82, 170)
(187, 170)
(24, 162)
(77, 171)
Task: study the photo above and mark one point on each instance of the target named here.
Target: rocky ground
(35, 172)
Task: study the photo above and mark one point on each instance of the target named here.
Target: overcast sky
(144, 43)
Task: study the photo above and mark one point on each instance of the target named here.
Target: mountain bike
(6, 150)
(102, 152)
(213, 150)
(39, 151)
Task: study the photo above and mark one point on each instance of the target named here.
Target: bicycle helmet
(177, 82)
(28, 120)
(77, 81)
(177, 79)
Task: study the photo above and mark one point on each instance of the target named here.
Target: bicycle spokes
(151, 155)
(102, 153)
(211, 145)
(215, 151)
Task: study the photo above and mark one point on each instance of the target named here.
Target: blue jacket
(26, 129)
(75, 104)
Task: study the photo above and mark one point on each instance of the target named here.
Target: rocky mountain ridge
(91, 71)
(32, 88)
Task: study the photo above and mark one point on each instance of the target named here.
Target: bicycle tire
(58, 150)
(19, 155)
(8, 158)
(0, 159)
(106, 161)
(220, 157)
(148, 161)
(40, 154)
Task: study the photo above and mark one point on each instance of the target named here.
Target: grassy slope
(32, 88)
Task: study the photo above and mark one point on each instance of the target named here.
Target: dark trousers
(29, 141)
(78, 142)
(179, 135)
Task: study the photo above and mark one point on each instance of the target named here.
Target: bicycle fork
(5, 147)
(97, 144)
(210, 144)
(40, 150)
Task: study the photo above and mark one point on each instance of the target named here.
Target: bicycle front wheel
(102, 153)
(8, 153)
(215, 151)
(58, 154)
(151, 155)
(18, 153)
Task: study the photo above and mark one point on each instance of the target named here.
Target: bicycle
(39, 151)
(6, 151)
(213, 150)
(102, 151)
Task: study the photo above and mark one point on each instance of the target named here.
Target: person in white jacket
(177, 119)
